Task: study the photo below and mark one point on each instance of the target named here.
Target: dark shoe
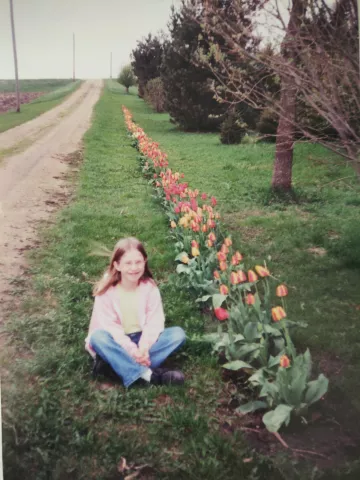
(101, 367)
(162, 376)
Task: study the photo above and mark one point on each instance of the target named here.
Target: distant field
(43, 85)
(52, 93)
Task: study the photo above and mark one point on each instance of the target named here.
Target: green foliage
(127, 77)
(267, 124)
(155, 95)
(39, 85)
(146, 61)
(233, 128)
(189, 98)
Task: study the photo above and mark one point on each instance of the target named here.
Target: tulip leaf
(276, 418)
(257, 378)
(183, 269)
(316, 389)
(218, 299)
(203, 299)
(269, 389)
(251, 407)
(237, 365)
(180, 256)
(251, 331)
(273, 331)
(274, 361)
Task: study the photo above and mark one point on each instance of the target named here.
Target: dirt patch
(8, 100)
(318, 251)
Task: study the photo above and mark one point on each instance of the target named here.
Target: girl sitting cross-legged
(127, 325)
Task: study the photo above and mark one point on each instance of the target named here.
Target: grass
(38, 85)
(58, 423)
(40, 105)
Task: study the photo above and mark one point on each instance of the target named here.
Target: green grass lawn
(58, 422)
(57, 91)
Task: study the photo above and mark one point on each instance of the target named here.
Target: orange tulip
(281, 291)
(234, 261)
(228, 241)
(209, 243)
(241, 276)
(221, 256)
(262, 271)
(173, 224)
(252, 276)
(212, 237)
(204, 228)
(234, 279)
(216, 275)
(224, 248)
(223, 266)
(250, 299)
(278, 313)
(284, 361)
(238, 256)
(224, 289)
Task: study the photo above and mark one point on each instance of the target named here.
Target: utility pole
(15, 57)
(358, 11)
(111, 64)
(73, 57)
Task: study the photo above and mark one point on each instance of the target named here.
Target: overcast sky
(44, 30)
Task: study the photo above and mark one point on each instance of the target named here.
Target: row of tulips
(253, 329)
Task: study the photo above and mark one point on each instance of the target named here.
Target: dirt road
(32, 182)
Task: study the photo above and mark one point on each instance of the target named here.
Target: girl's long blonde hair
(112, 276)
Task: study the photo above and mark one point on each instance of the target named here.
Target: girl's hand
(142, 357)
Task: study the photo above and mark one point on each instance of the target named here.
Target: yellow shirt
(129, 310)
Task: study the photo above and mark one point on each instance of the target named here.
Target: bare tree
(316, 63)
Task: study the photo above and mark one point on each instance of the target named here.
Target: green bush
(232, 129)
(267, 124)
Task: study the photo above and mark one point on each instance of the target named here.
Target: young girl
(127, 324)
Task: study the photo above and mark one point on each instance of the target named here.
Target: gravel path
(32, 183)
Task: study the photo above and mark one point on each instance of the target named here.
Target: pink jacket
(106, 315)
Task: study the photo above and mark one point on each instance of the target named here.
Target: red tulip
(284, 361)
(221, 256)
(221, 314)
(213, 201)
(281, 291)
(216, 275)
(250, 299)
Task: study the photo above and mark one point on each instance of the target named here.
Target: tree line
(214, 71)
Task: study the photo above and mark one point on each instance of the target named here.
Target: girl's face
(132, 267)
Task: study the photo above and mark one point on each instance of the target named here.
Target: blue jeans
(123, 364)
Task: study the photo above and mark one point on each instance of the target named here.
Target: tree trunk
(282, 173)
(127, 89)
